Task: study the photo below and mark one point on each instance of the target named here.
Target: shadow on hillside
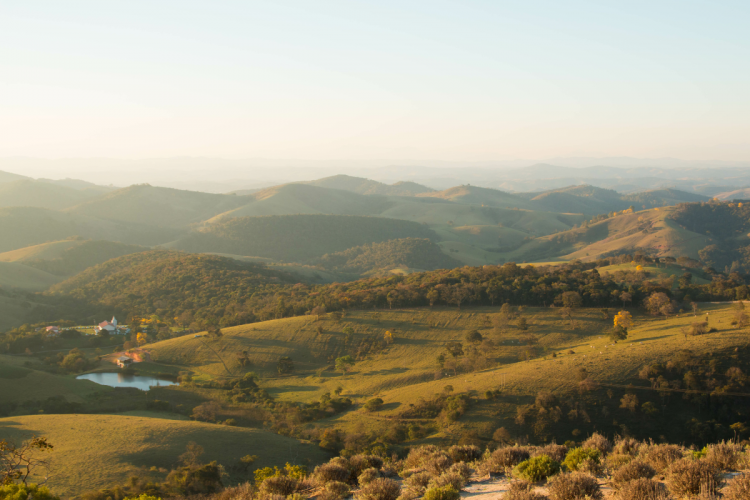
(650, 338)
(390, 371)
(411, 341)
(292, 388)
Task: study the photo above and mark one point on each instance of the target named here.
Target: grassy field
(19, 383)
(405, 371)
(97, 451)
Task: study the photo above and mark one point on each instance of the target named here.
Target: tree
(374, 404)
(344, 363)
(17, 463)
(523, 324)
(625, 297)
(433, 296)
(473, 337)
(455, 349)
(623, 319)
(285, 365)
(206, 411)
(659, 303)
(338, 390)
(197, 480)
(388, 337)
(629, 402)
(192, 454)
(739, 315)
(142, 338)
(571, 300)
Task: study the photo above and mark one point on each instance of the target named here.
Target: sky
(409, 80)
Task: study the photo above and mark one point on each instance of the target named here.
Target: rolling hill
(28, 193)
(291, 199)
(10, 177)
(122, 446)
(473, 195)
(70, 256)
(16, 275)
(408, 253)
(296, 238)
(27, 226)
(155, 206)
(366, 186)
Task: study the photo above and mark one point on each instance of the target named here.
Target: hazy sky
(463, 80)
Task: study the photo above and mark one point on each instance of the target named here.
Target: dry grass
(123, 446)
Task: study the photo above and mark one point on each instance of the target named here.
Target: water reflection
(112, 379)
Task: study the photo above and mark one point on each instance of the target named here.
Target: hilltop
(29, 193)
(366, 186)
(156, 206)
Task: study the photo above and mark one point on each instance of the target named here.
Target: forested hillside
(297, 238)
(413, 253)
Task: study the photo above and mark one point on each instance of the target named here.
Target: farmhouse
(111, 327)
(124, 361)
(52, 330)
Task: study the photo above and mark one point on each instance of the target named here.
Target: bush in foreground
(634, 470)
(444, 493)
(738, 488)
(278, 485)
(380, 489)
(507, 458)
(329, 472)
(691, 477)
(522, 490)
(335, 490)
(642, 489)
(536, 469)
(598, 442)
(577, 457)
(25, 492)
(574, 486)
(368, 475)
(660, 456)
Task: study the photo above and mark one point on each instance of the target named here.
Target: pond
(114, 379)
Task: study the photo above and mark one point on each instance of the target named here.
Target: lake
(113, 379)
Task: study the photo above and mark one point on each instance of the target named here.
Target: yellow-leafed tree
(623, 319)
(388, 337)
(142, 338)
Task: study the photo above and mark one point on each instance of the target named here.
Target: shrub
(598, 442)
(521, 490)
(464, 453)
(278, 485)
(507, 458)
(444, 493)
(429, 457)
(574, 486)
(326, 473)
(626, 446)
(690, 477)
(379, 489)
(577, 456)
(335, 490)
(359, 463)
(418, 481)
(616, 460)
(634, 470)
(738, 488)
(368, 476)
(556, 452)
(724, 455)
(660, 456)
(26, 491)
(642, 489)
(447, 479)
(462, 469)
(536, 469)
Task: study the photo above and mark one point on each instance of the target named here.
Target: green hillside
(593, 200)
(157, 206)
(28, 193)
(10, 177)
(367, 186)
(17, 275)
(411, 253)
(296, 238)
(473, 195)
(208, 287)
(292, 199)
(70, 256)
(92, 452)
(27, 226)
